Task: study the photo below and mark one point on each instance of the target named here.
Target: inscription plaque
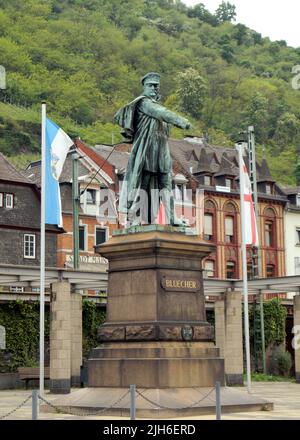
(180, 284)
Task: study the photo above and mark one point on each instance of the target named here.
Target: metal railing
(133, 392)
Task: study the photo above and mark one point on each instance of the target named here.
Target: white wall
(292, 249)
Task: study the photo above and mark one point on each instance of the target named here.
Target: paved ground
(286, 398)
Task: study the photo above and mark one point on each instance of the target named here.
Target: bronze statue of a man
(146, 125)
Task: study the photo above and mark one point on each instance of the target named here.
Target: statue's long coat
(145, 124)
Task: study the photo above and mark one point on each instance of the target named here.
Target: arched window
(270, 228)
(209, 269)
(230, 223)
(271, 271)
(209, 221)
(230, 270)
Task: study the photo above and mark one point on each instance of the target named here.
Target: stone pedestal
(156, 334)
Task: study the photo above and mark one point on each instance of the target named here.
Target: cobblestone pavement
(284, 395)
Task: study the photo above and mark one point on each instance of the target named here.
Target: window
(249, 271)
(269, 234)
(269, 189)
(91, 196)
(270, 271)
(298, 200)
(229, 235)
(230, 270)
(208, 227)
(207, 180)
(1, 200)
(228, 183)
(29, 246)
(16, 289)
(298, 236)
(209, 269)
(82, 240)
(9, 201)
(100, 235)
(179, 191)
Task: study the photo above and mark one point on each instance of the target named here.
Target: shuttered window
(209, 269)
(229, 235)
(208, 227)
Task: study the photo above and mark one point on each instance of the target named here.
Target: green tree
(227, 50)
(288, 127)
(297, 173)
(192, 89)
(240, 33)
(225, 12)
(257, 115)
(199, 11)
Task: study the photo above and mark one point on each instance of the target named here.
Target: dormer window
(91, 196)
(180, 187)
(228, 183)
(269, 188)
(179, 191)
(207, 180)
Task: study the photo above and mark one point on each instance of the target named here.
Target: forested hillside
(86, 58)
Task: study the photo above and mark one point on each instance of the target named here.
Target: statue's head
(151, 83)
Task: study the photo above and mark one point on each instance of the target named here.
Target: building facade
(292, 231)
(20, 220)
(95, 179)
(217, 175)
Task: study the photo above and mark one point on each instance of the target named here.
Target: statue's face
(151, 90)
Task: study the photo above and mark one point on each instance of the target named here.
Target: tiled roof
(216, 160)
(190, 154)
(264, 173)
(10, 173)
(118, 159)
(33, 172)
(291, 190)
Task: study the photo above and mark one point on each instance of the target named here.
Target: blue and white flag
(58, 144)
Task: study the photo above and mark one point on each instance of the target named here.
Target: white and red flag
(251, 234)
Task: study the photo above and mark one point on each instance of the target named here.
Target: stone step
(160, 403)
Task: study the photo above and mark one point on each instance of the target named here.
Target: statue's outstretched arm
(159, 112)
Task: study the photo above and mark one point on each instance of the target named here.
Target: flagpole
(244, 264)
(42, 251)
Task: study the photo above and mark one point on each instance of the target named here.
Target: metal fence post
(132, 402)
(218, 401)
(35, 403)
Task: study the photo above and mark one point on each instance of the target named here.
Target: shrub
(280, 362)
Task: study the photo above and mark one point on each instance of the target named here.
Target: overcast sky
(276, 19)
